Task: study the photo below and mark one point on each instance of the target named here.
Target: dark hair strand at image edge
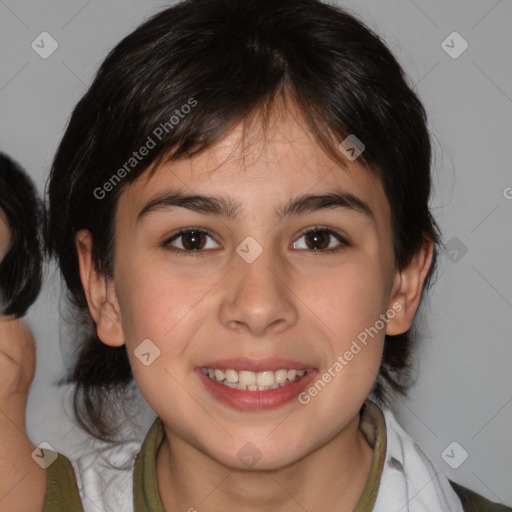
(21, 268)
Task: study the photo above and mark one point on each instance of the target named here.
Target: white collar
(410, 482)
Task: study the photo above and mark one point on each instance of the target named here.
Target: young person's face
(302, 306)
(5, 235)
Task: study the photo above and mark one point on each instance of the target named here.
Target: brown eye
(319, 239)
(194, 242)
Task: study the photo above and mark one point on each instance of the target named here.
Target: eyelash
(200, 253)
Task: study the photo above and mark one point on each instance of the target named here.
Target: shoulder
(473, 502)
(404, 455)
(101, 475)
(104, 473)
(62, 490)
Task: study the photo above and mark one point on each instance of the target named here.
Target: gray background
(463, 391)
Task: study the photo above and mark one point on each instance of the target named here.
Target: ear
(100, 293)
(407, 288)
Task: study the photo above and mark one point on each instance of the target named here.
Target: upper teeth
(254, 381)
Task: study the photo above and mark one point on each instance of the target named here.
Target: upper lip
(256, 365)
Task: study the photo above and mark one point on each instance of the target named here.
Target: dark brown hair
(233, 58)
(21, 267)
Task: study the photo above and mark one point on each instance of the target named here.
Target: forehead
(257, 166)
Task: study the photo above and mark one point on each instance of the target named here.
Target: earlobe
(407, 290)
(100, 293)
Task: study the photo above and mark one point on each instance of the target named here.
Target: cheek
(348, 300)
(160, 311)
(151, 311)
(350, 304)
(150, 297)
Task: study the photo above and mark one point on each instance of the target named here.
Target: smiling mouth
(246, 380)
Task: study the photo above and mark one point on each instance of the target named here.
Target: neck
(333, 475)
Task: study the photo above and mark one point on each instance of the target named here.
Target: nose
(258, 297)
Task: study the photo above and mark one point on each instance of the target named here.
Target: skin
(5, 235)
(22, 482)
(291, 302)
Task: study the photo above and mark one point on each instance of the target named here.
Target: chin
(251, 458)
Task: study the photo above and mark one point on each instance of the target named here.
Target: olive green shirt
(63, 495)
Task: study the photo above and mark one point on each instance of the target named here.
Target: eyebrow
(226, 207)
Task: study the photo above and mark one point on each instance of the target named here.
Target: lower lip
(256, 400)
